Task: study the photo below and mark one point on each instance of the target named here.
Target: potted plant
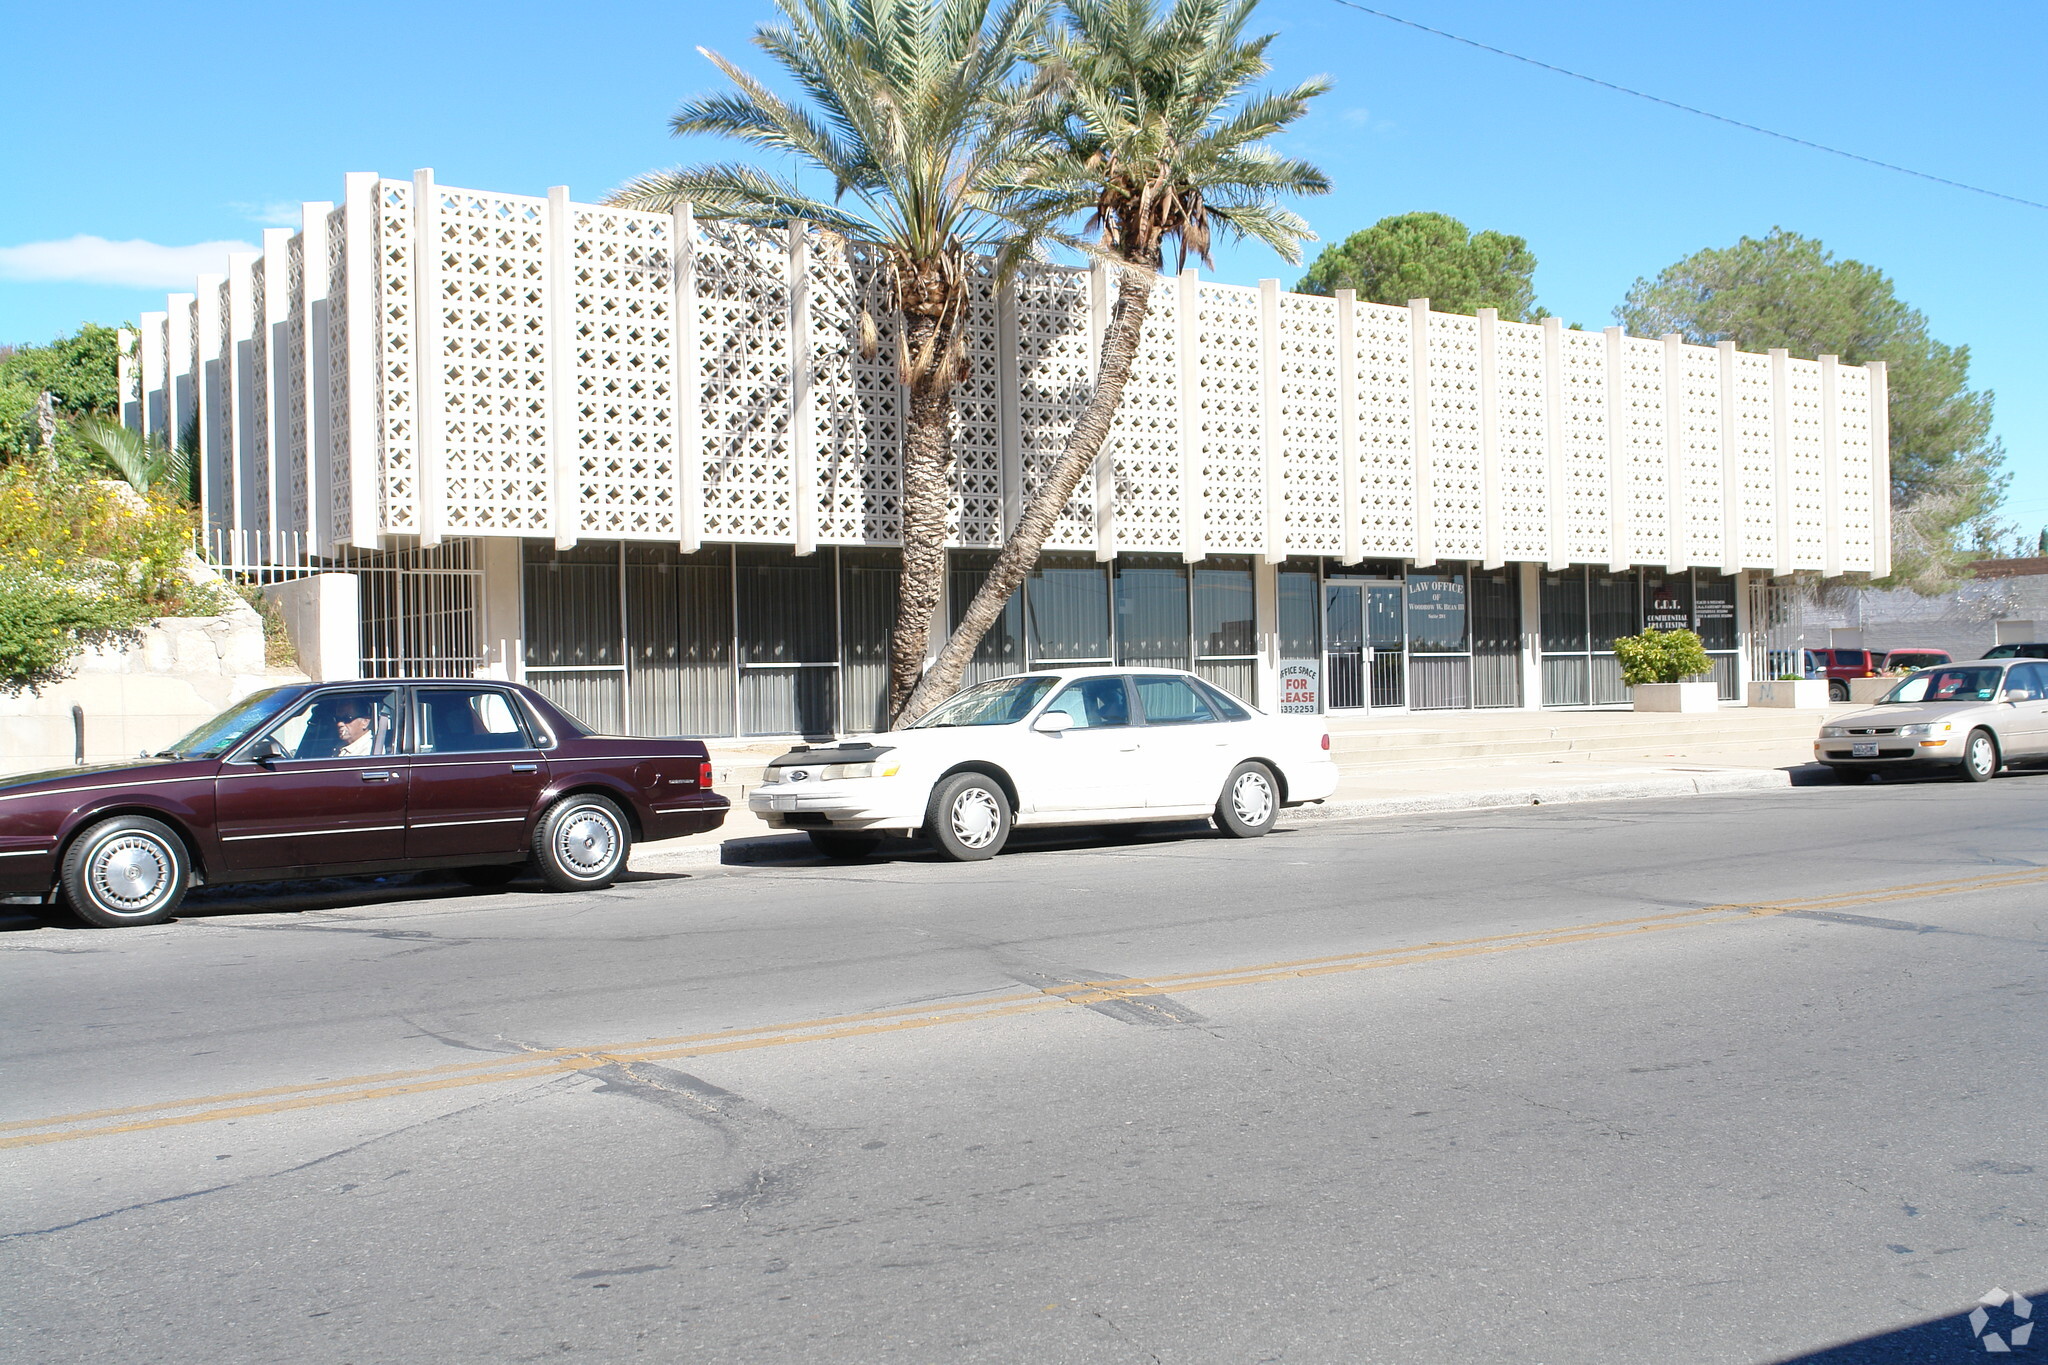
(1656, 666)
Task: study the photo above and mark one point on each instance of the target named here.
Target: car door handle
(378, 777)
(1127, 748)
(526, 767)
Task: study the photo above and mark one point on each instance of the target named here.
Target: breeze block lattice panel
(454, 362)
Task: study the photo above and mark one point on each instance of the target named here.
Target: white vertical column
(1732, 511)
(1617, 462)
(1747, 647)
(1880, 470)
(1194, 496)
(318, 396)
(127, 380)
(364, 422)
(277, 336)
(1102, 286)
(181, 382)
(689, 390)
(1420, 449)
(155, 379)
(803, 439)
(1490, 535)
(1677, 500)
(429, 437)
(1009, 429)
(1781, 463)
(245, 468)
(564, 515)
(1272, 444)
(1553, 442)
(1351, 478)
(215, 513)
(1530, 584)
(1831, 469)
(1266, 632)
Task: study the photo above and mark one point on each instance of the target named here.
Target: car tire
(124, 872)
(1980, 757)
(1838, 690)
(1250, 802)
(581, 843)
(968, 818)
(490, 874)
(841, 846)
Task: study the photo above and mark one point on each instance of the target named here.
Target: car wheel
(841, 846)
(968, 819)
(581, 844)
(125, 871)
(1980, 757)
(492, 874)
(1250, 801)
(1838, 690)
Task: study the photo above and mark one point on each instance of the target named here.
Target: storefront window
(1152, 611)
(1301, 612)
(1563, 607)
(1436, 613)
(788, 642)
(1001, 651)
(1226, 636)
(1067, 610)
(1713, 611)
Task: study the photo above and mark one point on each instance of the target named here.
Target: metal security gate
(419, 605)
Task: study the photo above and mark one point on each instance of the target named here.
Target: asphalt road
(1736, 1078)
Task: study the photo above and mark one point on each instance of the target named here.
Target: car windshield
(1948, 684)
(999, 701)
(231, 726)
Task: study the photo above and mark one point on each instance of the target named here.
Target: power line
(1689, 109)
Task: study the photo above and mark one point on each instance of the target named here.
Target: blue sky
(176, 126)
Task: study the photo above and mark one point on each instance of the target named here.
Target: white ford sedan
(1075, 746)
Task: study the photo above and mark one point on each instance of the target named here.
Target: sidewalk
(1410, 764)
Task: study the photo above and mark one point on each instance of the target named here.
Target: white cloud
(136, 264)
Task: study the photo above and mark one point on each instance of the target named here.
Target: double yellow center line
(538, 1063)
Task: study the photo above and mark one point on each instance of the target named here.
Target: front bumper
(873, 803)
(1892, 752)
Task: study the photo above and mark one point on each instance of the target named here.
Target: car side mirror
(266, 751)
(1053, 723)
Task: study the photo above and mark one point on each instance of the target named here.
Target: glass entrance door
(1344, 646)
(1365, 645)
(1386, 637)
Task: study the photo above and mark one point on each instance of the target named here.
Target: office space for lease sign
(1301, 687)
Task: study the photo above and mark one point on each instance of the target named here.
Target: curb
(796, 849)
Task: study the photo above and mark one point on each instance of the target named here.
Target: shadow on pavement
(2005, 1328)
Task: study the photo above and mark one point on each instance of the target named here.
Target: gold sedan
(1972, 717)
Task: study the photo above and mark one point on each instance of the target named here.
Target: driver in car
(352, 724)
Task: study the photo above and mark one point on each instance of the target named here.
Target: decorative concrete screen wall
(432, 362)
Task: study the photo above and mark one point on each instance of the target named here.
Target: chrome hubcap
(976, 817)
(588, 841)
(131, 874)
(1980, 754)
(1251, 798)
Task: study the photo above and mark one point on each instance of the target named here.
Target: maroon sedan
(482, 778)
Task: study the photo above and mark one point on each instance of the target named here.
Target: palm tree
(144, 463)
(919, 112)
(1155, 146)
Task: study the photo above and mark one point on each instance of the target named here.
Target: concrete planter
(1683, 696)
(1868, 690)
(1801, 694)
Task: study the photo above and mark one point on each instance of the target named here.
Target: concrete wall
(1965, 621)
(323, 614)
(140, 696)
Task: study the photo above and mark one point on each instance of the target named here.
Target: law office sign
(1301, 687)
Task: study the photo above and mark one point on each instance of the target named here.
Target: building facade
(638, 461)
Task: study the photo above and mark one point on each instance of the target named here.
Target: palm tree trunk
(927, 453)
(1020, 552)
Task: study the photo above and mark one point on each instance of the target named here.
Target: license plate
(1863, 750)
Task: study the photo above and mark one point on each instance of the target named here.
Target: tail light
(1326, 741)
(704, 775)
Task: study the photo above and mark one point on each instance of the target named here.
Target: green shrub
(1661, 656)
(45, 622)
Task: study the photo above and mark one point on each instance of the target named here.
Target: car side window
(1093, 703)
(1171, 701)
(2027, 682)
(468, 720)
(352, 724)
(1226, 705)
